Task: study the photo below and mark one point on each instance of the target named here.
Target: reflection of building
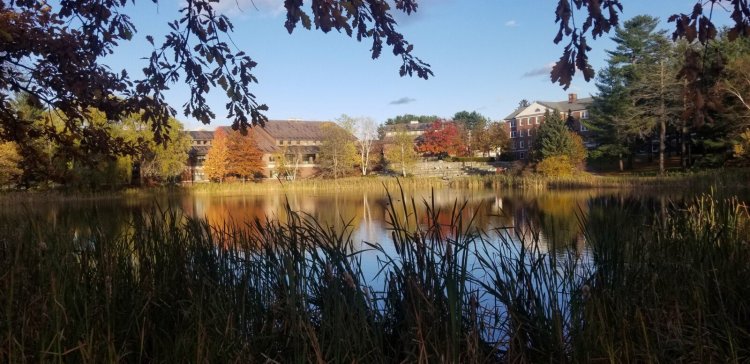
(299, 141)
(524, 121)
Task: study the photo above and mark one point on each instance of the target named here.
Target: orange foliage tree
(443, 138)
(216, 165)
(245, 159)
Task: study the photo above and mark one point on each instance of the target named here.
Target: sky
(486, 55)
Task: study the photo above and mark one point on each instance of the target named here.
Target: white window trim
(528, 132)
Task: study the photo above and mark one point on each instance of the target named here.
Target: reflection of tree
(553, 215)
(557, 218)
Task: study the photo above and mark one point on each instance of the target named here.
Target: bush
(556, 166)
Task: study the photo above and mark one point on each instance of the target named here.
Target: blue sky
(487, 55)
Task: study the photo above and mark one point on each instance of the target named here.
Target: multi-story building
(413, 128)
(300, 141)
(523, 122)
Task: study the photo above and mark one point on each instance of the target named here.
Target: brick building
(524, 121)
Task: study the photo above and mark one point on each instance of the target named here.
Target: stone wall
(445, 169)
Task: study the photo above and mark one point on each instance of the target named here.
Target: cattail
(367, 293)
(328, 272)
(585, 292)
(349, 280)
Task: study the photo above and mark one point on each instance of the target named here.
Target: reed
(702, 180)
(668, 285)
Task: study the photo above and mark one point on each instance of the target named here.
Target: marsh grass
(371, 183)
(671, 285)
(734, 178)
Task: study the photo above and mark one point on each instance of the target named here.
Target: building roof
(579, 104)
(514, 113)
(201, 134)
(266, 137)
(296, 130)
(562, 106)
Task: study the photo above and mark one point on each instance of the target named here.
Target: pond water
(557, 216)
(555, 219)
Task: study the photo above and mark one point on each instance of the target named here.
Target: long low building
(299, 140)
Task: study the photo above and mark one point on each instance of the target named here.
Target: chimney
(572, 98)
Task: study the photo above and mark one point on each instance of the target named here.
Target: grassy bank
(316, 185)
(668, 286)
(698, 181)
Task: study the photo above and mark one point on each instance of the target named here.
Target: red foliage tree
(443, 138)
(245, 159)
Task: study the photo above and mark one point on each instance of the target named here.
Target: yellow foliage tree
(216, 166)
(556, 166)
(742, 147)
(10, 161)
(401, 150)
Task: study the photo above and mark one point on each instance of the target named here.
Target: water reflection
(555, 216)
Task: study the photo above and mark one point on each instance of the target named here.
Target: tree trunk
(662, 120)
(403, 161)
(621, 163)
(685, 134)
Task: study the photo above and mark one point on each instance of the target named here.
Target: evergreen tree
(639, 95)
(554, 141)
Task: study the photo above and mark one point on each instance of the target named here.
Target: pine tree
(554, 141)
(644, 63)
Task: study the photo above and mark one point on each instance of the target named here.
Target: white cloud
(511, 23)
(246, 7)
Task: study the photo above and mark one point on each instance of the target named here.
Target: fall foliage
(338, 154)
(10, 159)
(441, 139)
(216, 165)
(245, 160)
(401, 151)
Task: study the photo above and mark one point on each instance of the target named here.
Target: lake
(558, 217)
(497, 273)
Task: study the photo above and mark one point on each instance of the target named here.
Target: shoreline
(735, 179)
